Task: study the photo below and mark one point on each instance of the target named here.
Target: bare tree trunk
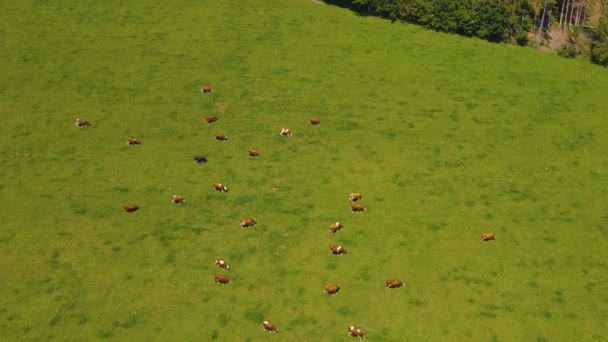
(561, 15)
(570, 22)
(568, 2)
(542, 21)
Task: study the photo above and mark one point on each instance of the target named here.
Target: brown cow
(133, 141)
(177, 199)
(219, 136)
(314, 121)
(393, 283)
(221, 263)
(220, 187)
(333, 228)
(211, 118)
(488, 236)
(354, 197)
(253, 153)
(285, 132)
(250, 222)
(355, 332)
(357, 208)
(337, 250)
(130, 208)
(206, 90)
(222, 279)
(268, 326)
(82, 123)
(331, 289)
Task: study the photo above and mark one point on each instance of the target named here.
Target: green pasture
(446, 138)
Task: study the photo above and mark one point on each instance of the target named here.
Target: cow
(177, 199)
(200, 159)
(268, 326)
(355, 332)
(334, 227)
(130, 208)
(331, 289)
(286, 132)
(133, 141)
(82, 123)
(221, 263)
(393, 283)
(219, 136)
(354, 197)
(206, 90)
(211, 118)
(220, 187)
(222, 279)
(250, 222)
(253, 153)
(337, 250)
(357, 208)
(488, 236)
(314, 121)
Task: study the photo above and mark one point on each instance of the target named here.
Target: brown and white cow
(393, 283)
(355, 332)
(222, 279)
(337, 250)
(354, 197)
(488, 236)
(220, 187)
(133, 141)
(82, 123)
(221, 263)
(219, 136)
(130, 208)
(335, 227)
(357, 208)
(250, 222)
(252, 152)
(331, 289)
(177, 199)
(314, 121)
(206, 89)
(211, 118)
(285, 132)
(268, 326)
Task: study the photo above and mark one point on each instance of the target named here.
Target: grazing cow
(133, 141)
(177, 199)
(393, 283)
(354, 197)
(285, 132)
(357, 208)
(355, 332)
(488, 236)
(331, 289)
(211, 118)
(219, 136)
(314, 121)
(206, 90)
(337, 250)
(221, 263)
(222, 279)
(250, 222)
(253, 153)
(200, 159)
(220, 187)
(82, 123)
(268, 326)
(130, 208)
(333, 228)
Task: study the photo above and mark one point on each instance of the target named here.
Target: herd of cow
(353, 198)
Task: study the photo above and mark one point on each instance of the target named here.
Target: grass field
(446, 138)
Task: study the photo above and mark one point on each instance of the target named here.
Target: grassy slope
(446, 138)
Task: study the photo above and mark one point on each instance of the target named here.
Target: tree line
(513, 21)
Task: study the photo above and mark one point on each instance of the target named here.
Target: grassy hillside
(446, 137)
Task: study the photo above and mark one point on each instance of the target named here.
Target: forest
(582, 24)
